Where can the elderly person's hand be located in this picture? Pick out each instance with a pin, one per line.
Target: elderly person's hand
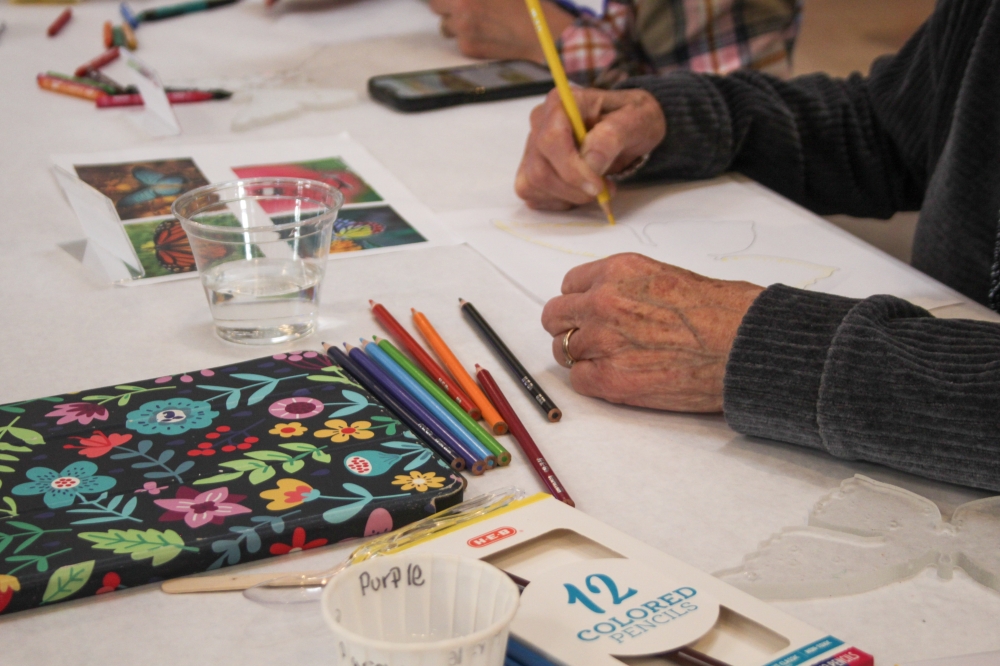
(646, 333)
(556, 174)
(497, 29)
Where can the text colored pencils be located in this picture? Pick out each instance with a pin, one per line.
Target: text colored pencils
(520, 433)
(552, 413)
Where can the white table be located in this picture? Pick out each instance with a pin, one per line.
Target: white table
(685, 484)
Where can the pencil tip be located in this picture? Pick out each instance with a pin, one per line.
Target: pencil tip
(413, 311)
(478, 367)
(371, 303)
(348, 346)
(376, 339)
(326, 346)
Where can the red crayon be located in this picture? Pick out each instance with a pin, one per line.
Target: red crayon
(520, 433)
(100, 61)
(430, 366)
(178, 97)
(60, 22)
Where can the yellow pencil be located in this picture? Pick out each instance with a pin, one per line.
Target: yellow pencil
(565, 94)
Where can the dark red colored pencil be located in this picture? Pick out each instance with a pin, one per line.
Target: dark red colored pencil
(520, 433)
(430, 366)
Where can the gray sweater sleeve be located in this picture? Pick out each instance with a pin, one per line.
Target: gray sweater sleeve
(877, 379)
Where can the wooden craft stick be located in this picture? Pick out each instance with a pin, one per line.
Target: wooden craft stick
(226, 582)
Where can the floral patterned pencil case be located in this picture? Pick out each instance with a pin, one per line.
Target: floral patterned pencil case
(132, 484)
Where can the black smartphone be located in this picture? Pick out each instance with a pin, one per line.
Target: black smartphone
(437, 88)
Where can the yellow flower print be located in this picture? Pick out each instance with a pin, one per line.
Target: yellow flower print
(286, 430)
(9, 583)
(340, 432)
(419, 482)
(289, 493)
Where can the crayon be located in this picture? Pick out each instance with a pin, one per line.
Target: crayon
(94, 65)
(109, 35)
(60, 22)
(69, 88)
(174, 97)
(128, 16)
(131, 43)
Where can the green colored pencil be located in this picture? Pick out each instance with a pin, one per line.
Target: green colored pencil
(480, 433)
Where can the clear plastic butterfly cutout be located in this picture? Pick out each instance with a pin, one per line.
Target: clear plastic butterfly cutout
(867, 534)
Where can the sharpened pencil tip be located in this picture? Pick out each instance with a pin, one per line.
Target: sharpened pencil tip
(371, 303)
(413, 311)
(326, 346)
(376, 339)
(348, 346)
(606, 207)
(478, 367)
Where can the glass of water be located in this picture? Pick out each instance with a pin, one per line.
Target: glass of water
(261, 245)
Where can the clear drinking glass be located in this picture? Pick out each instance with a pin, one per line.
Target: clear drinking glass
(261, 246)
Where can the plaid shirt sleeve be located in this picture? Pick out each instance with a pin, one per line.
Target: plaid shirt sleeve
(712, 36)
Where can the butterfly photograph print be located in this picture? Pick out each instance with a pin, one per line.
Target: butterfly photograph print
(143, 189)
(867, 534)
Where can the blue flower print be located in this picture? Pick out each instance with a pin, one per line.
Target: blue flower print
(171, 417)
(61, 488)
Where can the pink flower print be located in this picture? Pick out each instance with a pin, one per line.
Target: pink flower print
(186, 378)
(296, 408)
(198, 509)
(151, 488)
(307, 360)
(82, 412)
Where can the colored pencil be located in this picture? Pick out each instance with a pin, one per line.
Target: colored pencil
(69, 88)
(484, 437)
(490, 414)
(565, 92)
(105, 58)
(523, 655)
(419, 391)
(60, 22)
(430, 366)
(159, 13)
(473, 461)
(544, 402)
(520, 433)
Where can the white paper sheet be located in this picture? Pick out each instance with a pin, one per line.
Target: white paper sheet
(392, 208)
(729, 228)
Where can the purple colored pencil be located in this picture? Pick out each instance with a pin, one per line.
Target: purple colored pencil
(419, 428)
(474, 463)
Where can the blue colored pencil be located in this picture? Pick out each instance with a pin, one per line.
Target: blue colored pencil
(406, 415)
(369, 372)
(427, 400)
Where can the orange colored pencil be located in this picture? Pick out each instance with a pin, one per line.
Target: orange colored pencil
(490, 414)
(430, 366)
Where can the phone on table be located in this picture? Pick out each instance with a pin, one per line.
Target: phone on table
(437, 88)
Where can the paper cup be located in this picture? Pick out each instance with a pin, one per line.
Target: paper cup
(420, 610)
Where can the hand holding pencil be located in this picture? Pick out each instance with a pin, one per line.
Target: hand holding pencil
(556, 174)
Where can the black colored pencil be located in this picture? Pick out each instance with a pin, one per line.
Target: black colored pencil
(544, 402)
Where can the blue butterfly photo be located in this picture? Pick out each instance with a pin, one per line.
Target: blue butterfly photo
(143, 189)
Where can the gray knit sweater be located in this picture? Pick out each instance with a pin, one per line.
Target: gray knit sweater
(877, 379)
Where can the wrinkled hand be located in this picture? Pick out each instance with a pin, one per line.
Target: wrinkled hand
(497, 29)
(650, 334)
(555, 174)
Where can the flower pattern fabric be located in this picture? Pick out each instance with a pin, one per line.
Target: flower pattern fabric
(339, 431)
(198, 509)
(61, 488)
(289, 493)
(420, 482)
(115, 487)
(171, 417)
(79, 412)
